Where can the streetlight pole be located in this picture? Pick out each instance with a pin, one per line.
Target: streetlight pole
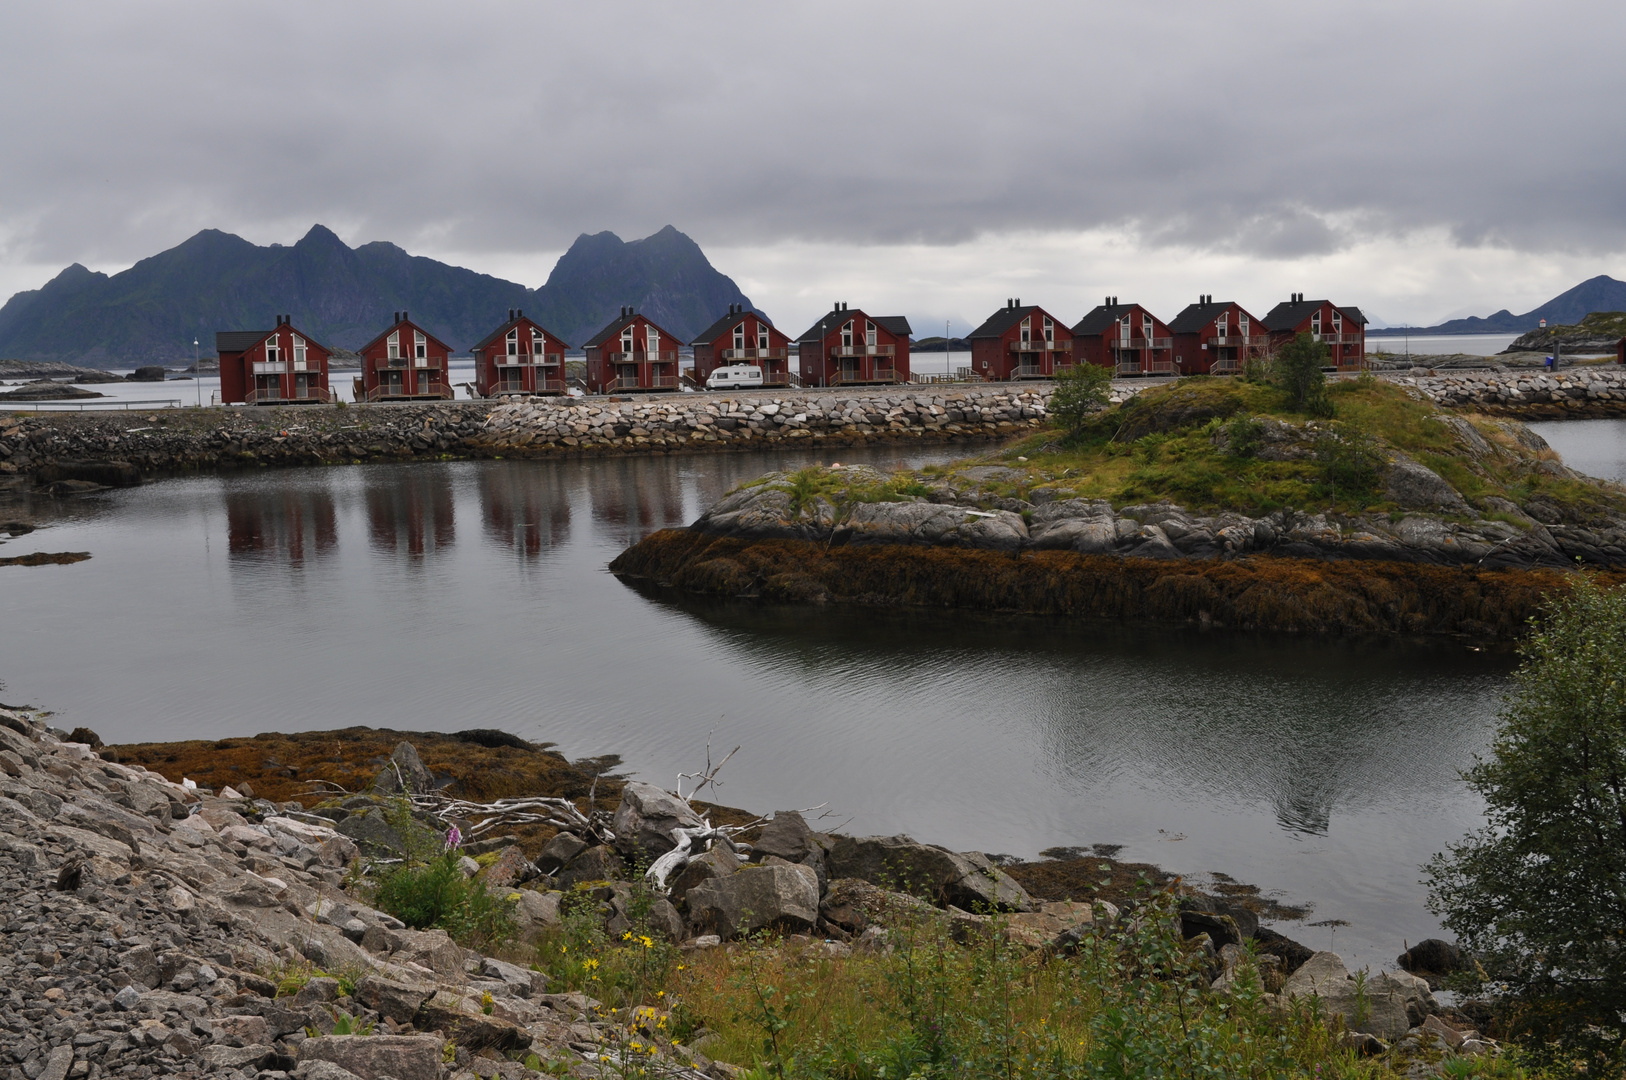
(197, 372)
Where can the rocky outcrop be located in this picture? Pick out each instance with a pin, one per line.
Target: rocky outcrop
(966, 880)
(754, 898)
(1385, 1004)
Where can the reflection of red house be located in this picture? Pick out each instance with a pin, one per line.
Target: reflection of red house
(743, 337)
(1126, 338)
(1215, 338)
(632, 353)
(272, 367)
(1342, 329)
(1018, 342)
(848, 347)
(519, 357)
(403, 362)
(1620, 351)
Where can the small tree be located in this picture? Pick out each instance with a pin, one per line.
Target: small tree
(1297, 369)
(1082, 390)
(1538, 896)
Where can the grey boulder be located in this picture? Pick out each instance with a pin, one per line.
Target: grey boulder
(405, 1057)
(645, 819)
(944, 877)
(404, 772)
(1387, 1004)
(755, 898)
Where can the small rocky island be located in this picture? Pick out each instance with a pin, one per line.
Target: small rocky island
(1204, 501)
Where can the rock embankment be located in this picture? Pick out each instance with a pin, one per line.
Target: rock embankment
(1570, 393)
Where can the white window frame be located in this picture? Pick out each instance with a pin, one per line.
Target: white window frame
(652, 343)
(539, 343)
(1146, 329)
(847, 335)
(626, 341)
(1026, 333)
(739, 336)
(762, 336)
(392, 345)
(299, 353)
(420, 346)
(273, 350)
(869, 334)
(512, 341)
(1315, 322)
(1049, 331)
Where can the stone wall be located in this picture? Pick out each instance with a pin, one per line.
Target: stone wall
(1536, 395)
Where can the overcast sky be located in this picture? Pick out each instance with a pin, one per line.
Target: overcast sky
(1420, 159)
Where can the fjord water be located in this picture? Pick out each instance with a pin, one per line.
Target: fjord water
(452, 596)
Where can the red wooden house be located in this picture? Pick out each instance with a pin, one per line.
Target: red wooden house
(1126, 338)
(1342, 329)
(1020, 342)
(1215, 338)
(402, 363)
(743, 337)
(519, 357)
(632, 354)
(272, 367)
(848, 347)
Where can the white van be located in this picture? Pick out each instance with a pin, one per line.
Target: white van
(735, 377)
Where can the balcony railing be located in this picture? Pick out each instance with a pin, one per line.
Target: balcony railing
(1338, 339)
(434, 390)
(422, 363)
(269, 367)
(1224, 365)
(530, 360)
(878, 375)
(781, 378)
(642, 357)
(1141, 343)
(863, 350)
(648, 382)
(1237, 341)
(755, 354)
(1034, 345)
(1029, 371)
(311, 395)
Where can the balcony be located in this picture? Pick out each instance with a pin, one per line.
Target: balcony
(310, 395)
(1338, 339)
(1033, 345)
(755, 354)
(1029, 371)
(863, 350)
(855, 378)
(530, 360)
(1237, 341)
(269, 367)
(642, 357)
(1141, 343)
(629, 384)
(433, 390)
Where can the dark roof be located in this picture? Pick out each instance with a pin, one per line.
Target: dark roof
(1001, 321)
(1102, 317)
(712, 332)
(239, 340)
(1197, 316)
(1354, 313)
(619, 324)
(404, 322)
(896, 325)
(509, 325)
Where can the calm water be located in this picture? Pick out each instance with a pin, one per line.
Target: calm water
(1442, 345)
(451, 596)
(1595, 447)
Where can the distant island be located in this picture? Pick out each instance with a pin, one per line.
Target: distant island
(1602, 293)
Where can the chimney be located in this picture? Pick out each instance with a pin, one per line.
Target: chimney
(403, 316)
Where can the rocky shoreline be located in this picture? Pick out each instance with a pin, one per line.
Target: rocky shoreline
(156, 927)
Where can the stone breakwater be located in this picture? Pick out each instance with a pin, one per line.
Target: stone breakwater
(1571, 393)
(58, 447)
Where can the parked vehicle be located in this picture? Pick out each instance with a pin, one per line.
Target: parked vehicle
(735, 377)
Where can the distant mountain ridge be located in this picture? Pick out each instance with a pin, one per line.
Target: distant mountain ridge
(1602, 293)
(343, 296)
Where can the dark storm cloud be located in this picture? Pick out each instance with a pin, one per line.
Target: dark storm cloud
(1274, 130)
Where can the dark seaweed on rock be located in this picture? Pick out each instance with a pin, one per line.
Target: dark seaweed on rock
(1274, 593)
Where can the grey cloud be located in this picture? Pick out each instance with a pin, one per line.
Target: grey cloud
(1246, 128)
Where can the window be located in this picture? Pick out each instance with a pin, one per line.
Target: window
(272, 352)
(1146, 326)
(299, 351)
(1123, 329)
(1027, 329)
(539, 345)
(847, 336)
(394, 345)
(739, 336)
(762, 336)
(626, 340)
(1219, 324)
(513, 342)
(1337, 323)
(420, 346)
(1049, 330)
(652, 342)
(1315, 324)
(869, 333)
(1242, 324)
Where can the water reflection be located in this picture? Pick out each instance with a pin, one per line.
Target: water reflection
(410, 511)
(632, 497)
(525, 508)
(1309, 728)
(287, 525)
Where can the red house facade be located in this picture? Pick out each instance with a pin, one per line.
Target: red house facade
(402, 363)
(1020, 342)
(848, 347)
(1126, 338)
(272, 367)
(1341, 329)
(1216, 338)
(632, 354)
(743, 337)
(519, 357)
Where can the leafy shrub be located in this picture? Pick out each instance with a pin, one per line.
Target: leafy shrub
(1243, 436)
(1082, 390)
(1297, 370)
(1535, 895)
(1349, 460)
(437, 895)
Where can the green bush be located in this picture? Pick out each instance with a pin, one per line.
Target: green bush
(438, 895)
(1082, 390)
(1297, 370)
(1243, 436)
(1538, 896)
(1349, 460)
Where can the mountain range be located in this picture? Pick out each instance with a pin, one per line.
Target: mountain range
(1602, 293)
(344, 296)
